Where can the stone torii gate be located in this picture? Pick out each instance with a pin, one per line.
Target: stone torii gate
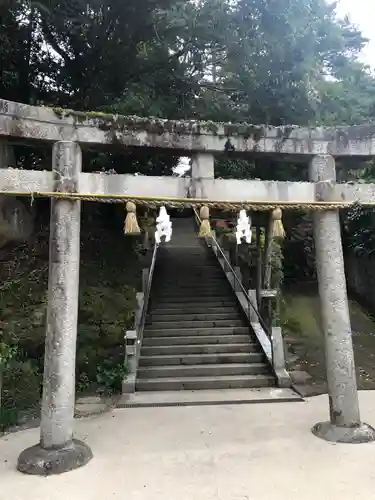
(68, 131)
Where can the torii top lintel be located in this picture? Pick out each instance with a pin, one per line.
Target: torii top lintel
(24, 122)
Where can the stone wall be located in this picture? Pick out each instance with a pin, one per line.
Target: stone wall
(16, 221)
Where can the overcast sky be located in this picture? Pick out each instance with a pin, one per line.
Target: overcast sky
(362, 13)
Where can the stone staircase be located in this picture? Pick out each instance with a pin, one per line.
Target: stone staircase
(195, 335)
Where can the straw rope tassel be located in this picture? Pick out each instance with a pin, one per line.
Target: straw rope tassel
(205, 229)
(278, 230)
(131, 224)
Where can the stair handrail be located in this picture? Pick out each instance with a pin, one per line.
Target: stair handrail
(237, 279)
(134, 337)
(147, 291)
(271, 342)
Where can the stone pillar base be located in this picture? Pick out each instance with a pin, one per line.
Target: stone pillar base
(42, 462)
(337, 434)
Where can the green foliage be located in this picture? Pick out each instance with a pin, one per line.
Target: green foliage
(271, 56)
(359, 231)
(246, 257)
(105, 314)
(83, 383)
(7, 353)
(277, 274)
(287, 320)
(110, 376)
(260, 61)
(349, 100)
(22, 382)
(109, 275)
(298, 248)
(359, 223)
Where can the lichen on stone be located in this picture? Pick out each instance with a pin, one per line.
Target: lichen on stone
(159, 126)
(210, 127)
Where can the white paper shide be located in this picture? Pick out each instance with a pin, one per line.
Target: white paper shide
(163, 226)
(243, 228)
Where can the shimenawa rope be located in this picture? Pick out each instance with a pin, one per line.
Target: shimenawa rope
(172, 202)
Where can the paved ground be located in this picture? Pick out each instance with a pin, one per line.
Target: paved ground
(205, 397)
(237, 452)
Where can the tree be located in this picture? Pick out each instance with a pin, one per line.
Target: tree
(279, 54)
(260, 61)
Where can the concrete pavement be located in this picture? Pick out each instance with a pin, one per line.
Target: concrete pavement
(236, 452)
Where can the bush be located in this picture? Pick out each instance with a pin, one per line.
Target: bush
(22, 384)
(109, 276)
(110, 375)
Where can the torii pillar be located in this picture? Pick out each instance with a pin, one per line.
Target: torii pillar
(57, 450)
(345, 425)
(202, 167)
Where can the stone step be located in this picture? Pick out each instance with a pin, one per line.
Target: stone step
(195, 337)
(191, 242)
(209, 295)
(154, 317)
(193, 325)
(209, 370)
(182, 269)
(190, 332)
(191, 279)
(182, 245)
(193, 292)
(195, 310)
(200, 383)
(211, 303)
(176, 245)
(186, 270)
(191, 255)
(163, 350)
(248, 395)
(192, 306)
(197, 297)
(179, 249)
(196, 340)
(189, 273)
(192, 299)
(198, 285)
(176, 276)
(195, 261)
(200, 359)
(181, 265)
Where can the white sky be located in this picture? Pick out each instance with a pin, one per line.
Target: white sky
(362, 13)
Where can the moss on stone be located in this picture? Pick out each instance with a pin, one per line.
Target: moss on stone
(210, 127)
(159, 126)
